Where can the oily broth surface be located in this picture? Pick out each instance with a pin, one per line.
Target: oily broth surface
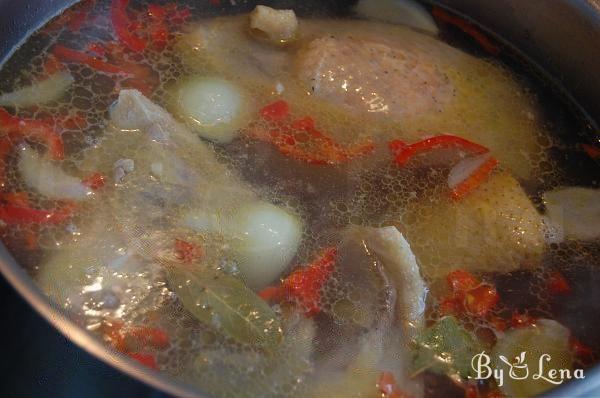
(490, 108)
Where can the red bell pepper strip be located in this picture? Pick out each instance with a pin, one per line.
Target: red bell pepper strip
(300, 140)
(468, 28)
(19, 215)
(38, 130)
(159, 33)
(304, 285)
(403, 152)
(69, 55)
(121, 24)
(474, 180)
(147, 360)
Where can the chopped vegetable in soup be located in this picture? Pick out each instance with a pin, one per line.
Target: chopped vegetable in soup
(286, 203)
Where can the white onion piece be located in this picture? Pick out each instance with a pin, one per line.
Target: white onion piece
(465, 168)
(40, 92)
(403, 12)
(43, 176)
(264, 238)
(267, 239)
(575, 211)
(214, 108)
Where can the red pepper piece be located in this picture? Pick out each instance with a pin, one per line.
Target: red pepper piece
(158, 28)
(19, 215)
(396, 147)
(387, 386)
(70, 55)
(478, 177)
(304, 285)
(95, 181)
(469, 294)
(187, 252)
(404, 153)
(41, 131)
(468, 28)
(558, 284)
(481, 300)
(37, 130)
(147, 360)
(153, 337)
(121, 22)
(460, 281)
(592, 151)
(278, 110)
(313, 147)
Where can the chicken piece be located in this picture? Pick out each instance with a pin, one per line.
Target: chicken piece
(374, 77)
(496, 228)
(400, 263)
(178, 177)
(98, 274)
(278, 26)
(379, 260)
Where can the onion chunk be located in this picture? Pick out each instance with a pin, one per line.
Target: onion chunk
(214, 108)
(40, 92)
(45, 177)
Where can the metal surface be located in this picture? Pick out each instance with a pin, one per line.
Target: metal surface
(560, 36)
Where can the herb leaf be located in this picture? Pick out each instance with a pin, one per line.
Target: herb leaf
(446, 348)
(224, 303)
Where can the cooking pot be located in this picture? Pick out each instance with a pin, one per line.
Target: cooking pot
(560, 39)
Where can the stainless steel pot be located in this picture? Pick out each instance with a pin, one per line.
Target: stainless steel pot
(561, 38)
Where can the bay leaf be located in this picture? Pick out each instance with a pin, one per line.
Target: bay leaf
(224, 303)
